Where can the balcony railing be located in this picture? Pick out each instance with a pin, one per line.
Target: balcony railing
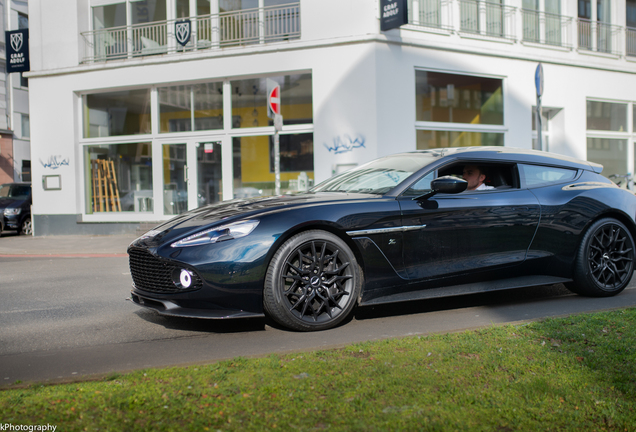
(630, 41)
(431, 13)
(487, 19)
(496, 20)
(545, 28)
(244, 27)
(600, 37)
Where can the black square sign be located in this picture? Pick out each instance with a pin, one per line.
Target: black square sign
(17, 43)
(393, 14)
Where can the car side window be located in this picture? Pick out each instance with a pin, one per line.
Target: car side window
(422, 186)
(539, 175)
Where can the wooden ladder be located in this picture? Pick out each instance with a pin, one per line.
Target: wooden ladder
(105, 189)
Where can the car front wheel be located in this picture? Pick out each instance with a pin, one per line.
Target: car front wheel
(313, 282)
(605, 261)
(27, 227)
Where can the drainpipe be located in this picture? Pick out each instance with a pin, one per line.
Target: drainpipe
(7, 21)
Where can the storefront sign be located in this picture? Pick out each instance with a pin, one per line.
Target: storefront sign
(17, 43)
(182, 31)
(393, 14)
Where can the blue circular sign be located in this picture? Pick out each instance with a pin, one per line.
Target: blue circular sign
(538, 79)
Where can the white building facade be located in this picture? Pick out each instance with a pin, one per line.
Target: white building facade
(145, 109)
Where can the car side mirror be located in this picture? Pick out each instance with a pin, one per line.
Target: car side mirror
(444, 184)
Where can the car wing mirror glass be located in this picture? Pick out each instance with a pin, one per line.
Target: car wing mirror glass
(444, 184)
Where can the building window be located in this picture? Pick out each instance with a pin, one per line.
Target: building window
(608, 137)
(23, 21)
(547, 114)
(606, 116)
(26, 126)
(443, 97)
(611, 153)
(254, 166)
(191, 107)
(543, 26)
(427, 139)
(595, 30)
(26, 170)
(458, 110)
(119, 178)
(117, 113)
(188, 169)
(249, 101)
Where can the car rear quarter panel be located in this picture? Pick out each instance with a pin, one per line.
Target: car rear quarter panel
(566, 213)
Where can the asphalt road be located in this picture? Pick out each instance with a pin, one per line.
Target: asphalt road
(67, 318)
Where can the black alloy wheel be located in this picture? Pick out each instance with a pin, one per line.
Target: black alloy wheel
(605, 261)
(313, 282)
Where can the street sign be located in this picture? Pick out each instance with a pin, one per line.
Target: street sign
(273, 98)
(538, 79)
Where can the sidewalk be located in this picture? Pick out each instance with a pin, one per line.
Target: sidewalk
(12, 245)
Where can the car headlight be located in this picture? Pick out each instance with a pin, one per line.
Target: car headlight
(218, 234)
(12, 211)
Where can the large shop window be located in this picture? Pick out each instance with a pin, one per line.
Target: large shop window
(249, 101)
(427, 139)
(611, 153)
(606, 116)
(117, 113)
(448, 106)
(191, 107)
(610, 119)
(118, 178)
(254, 164)
(443, 97)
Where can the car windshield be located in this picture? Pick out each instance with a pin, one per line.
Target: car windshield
(378, 176)
(16, 192)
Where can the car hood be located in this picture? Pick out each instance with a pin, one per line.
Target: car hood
(10, 203)
(228, 211)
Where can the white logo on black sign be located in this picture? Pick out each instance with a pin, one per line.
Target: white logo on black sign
(16, 41)
(182, 32)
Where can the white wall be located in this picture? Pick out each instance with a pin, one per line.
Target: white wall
(363, 85)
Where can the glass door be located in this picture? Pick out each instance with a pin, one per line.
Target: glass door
(175, 179)
(209, 172)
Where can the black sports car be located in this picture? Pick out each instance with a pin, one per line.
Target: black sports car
(399, 228)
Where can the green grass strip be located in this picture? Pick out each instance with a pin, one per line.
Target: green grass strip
(567, 374)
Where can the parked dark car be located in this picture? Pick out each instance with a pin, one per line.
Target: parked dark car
(396, 229)
(15, 208)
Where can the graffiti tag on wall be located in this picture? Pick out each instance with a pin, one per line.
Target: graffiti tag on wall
(345, 144)
(55, 162)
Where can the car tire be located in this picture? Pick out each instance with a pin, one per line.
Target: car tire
(605, 260)
(27, 227)
(312, 282)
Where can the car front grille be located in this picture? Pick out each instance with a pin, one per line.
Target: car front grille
(152, 274)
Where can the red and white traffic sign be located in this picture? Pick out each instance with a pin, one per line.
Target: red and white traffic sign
(273, 98)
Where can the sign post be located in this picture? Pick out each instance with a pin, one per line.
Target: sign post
(273, 111)
(538, 83)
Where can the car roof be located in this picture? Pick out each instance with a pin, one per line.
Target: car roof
(515, 155)
(16, 183)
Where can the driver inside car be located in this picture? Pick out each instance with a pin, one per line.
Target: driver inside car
(475, 176)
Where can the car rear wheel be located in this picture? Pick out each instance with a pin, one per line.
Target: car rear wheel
(313, 282)
(27, 227)
(605, 261)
